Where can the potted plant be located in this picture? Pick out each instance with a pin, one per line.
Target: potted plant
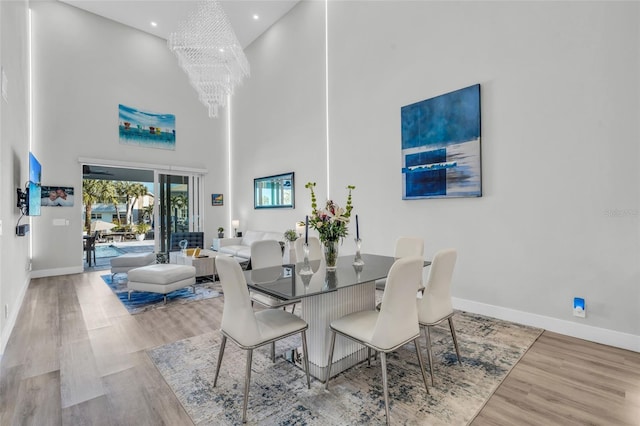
(290, 235)
(287, 246)
(221, 232)
(141, 230)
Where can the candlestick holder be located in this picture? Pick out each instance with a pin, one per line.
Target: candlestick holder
(306, 280)
(306, 268)
(357, 260)
(358, 269)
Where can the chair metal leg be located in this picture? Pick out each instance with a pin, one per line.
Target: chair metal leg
(455, 339)
(129, 295)
(165, 299)
(424, 375)
(305, 354)
(247, 379)
(368, 356)
(383, 362)
(273, 352)
(220, 353)
(331, 348)
(428, 335)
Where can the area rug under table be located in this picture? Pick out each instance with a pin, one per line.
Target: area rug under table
(142, 301)
(278, 394)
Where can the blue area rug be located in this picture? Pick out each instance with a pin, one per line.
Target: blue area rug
(143, 301)
(278, 394)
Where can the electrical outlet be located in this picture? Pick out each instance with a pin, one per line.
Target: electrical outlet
(579, 307)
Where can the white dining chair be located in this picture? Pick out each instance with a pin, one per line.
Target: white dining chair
(435, 304)
(390, 328)
(266, 254)
(249, 329)
(315, 249)
(405, 247)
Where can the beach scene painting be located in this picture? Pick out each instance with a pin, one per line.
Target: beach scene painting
(441, 146)
(147, 129)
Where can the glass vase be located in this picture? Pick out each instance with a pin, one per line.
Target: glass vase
(306, 268)
(331, 254)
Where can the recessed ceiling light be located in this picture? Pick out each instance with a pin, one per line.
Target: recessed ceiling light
(221, 50)
(256, 17)
(154, 24)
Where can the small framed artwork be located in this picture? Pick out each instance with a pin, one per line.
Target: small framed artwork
(217, 200)
(57, 196)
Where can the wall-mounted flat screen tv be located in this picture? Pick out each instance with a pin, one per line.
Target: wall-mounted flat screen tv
(34, 193)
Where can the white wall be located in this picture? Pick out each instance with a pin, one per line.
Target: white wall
(560, 104)
(278, 116)
(85, 66)
(560, 100)
(14, 157)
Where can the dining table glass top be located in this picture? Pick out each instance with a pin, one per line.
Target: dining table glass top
(286, 282)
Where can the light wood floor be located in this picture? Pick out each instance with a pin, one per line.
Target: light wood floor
(76, 357)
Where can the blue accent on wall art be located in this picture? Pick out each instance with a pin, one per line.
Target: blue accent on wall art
(441, 146)
(147, 129)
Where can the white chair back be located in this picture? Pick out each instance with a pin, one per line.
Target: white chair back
(436, 300)
(398, 320)
(265, 253)
(238, 318)
(315, 250)
(409, 246)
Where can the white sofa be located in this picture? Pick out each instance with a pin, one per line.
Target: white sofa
(240, 247)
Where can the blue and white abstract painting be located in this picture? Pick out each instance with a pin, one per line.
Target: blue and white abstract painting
(148, 129)
(441, 146)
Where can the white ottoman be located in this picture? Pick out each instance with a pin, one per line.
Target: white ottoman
(128, 261)
(161, 278)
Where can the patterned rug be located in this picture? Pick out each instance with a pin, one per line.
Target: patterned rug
(278, 393)
(142, 301)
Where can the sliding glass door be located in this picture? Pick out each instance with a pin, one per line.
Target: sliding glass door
(180, 202)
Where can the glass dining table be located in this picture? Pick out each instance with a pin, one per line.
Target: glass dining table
(326, 296)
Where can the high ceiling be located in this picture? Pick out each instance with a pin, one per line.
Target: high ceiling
(168, 14)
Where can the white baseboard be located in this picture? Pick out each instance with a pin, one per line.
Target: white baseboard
(11, 321)
(57, 271)
(568, 328)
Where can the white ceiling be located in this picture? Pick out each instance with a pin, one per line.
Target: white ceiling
(169, 13)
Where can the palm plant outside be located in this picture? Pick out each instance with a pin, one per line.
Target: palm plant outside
(113, 192)
(90, 196)
(134, 191)
(179, 203)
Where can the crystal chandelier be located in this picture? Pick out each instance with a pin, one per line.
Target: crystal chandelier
(209, 52)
